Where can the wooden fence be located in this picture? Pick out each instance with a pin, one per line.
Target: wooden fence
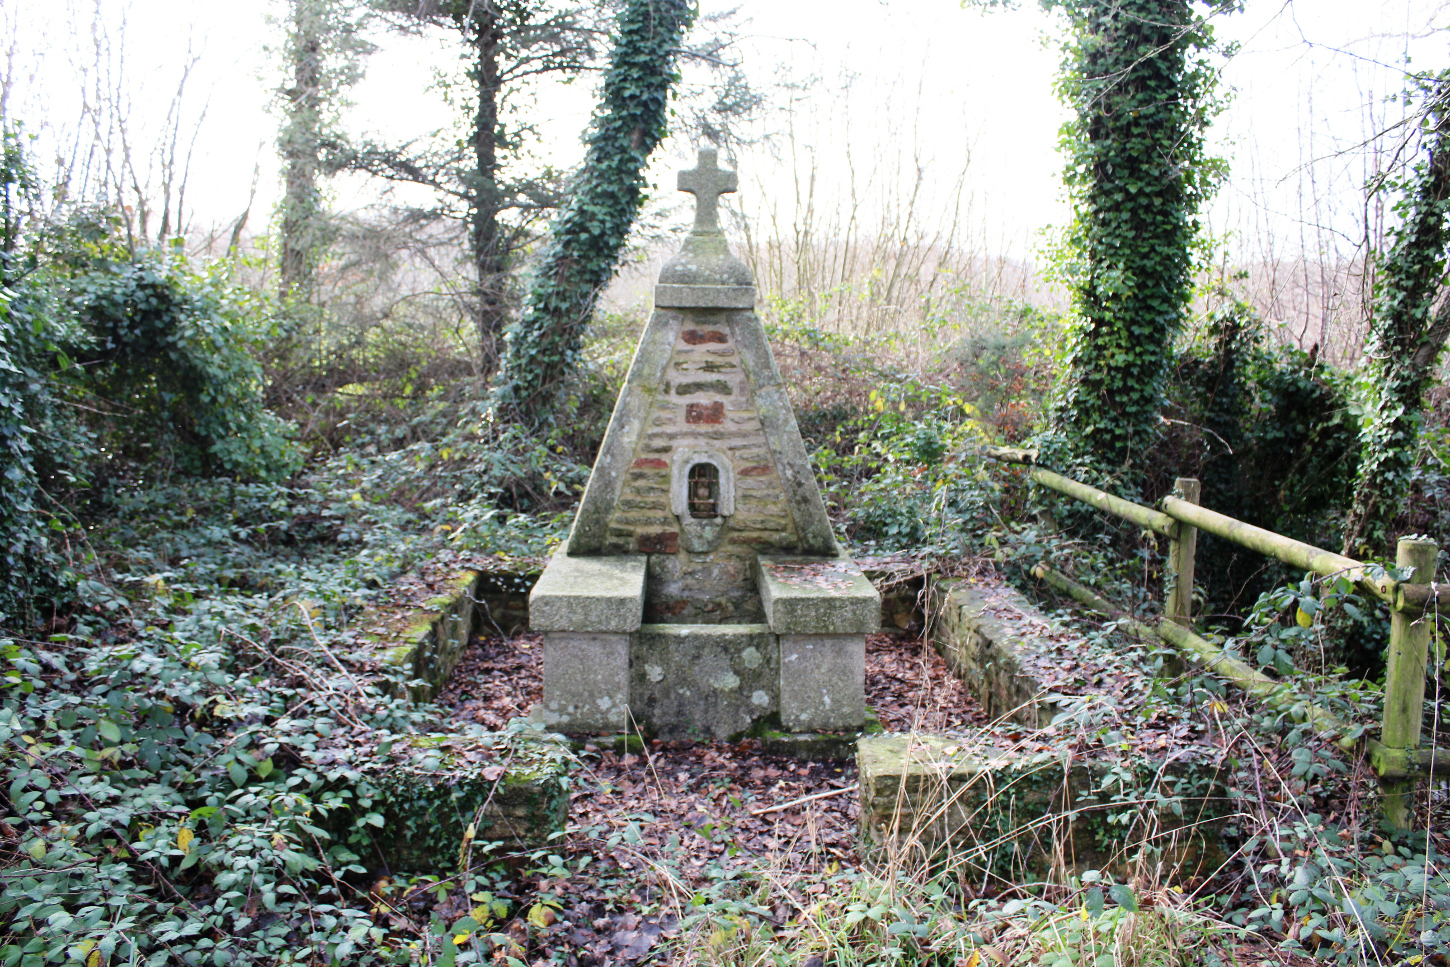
(1396, 756)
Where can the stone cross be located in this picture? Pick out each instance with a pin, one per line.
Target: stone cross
(707, 181)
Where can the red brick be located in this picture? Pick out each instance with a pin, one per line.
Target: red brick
(670, 610)
(760, 471)
(696, 337)
(665, 542)
(651, 463)
(705, 412)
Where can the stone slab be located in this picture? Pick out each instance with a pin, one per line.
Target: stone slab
(989, 653)
(822, 682)
(595, 594)
(586, 682)
(991, 812)
(705, 296)
(703, 681)
(817, 596)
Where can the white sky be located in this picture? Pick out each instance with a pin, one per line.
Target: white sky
(933, 83)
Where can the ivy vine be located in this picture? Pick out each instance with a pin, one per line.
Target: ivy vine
(1136, 167)
(585, 241)
(1406, 336)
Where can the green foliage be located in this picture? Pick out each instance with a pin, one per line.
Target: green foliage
(586, 239)
(175, 351)
(895, 471)
(41, 445)
(1405, 338)
(1140, 91)
(1004, 368)
(167, 815)
(192, 779)
(1273, 436)
(110, 359)
(1286, 630)
(1348, 897)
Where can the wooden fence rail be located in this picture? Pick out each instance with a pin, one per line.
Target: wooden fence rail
(1396, 756)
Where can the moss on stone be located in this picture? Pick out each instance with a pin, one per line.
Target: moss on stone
(429, 794)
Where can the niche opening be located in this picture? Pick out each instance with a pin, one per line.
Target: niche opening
(703, 490)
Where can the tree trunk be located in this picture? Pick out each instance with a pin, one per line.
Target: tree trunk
(585, 241)
(301, 135)
(1404, 344)
(489, 259)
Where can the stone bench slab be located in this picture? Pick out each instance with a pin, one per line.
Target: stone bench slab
(589, 594)
(818, 596)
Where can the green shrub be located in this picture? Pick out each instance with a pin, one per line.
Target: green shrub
(173, 351)
(1272, 433)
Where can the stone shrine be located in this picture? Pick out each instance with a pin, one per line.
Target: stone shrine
(701, 592)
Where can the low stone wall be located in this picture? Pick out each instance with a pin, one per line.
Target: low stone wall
(511, 788)
(999, 813)
(418, 647)
(422, 644)
(986, 634)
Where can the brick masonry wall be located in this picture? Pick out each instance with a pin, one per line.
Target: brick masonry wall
(705, 401)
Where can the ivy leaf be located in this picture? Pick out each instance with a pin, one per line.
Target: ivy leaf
(109, 730)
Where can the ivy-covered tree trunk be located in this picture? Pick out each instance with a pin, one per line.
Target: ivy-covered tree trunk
(485, 201)
(1137, 174)
(586, 239)
(1406, 337)
(323, 52)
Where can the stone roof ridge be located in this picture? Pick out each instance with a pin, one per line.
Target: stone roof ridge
(704, 274)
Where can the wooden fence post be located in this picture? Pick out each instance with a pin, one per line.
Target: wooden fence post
(1179, 606)
(1405, 678)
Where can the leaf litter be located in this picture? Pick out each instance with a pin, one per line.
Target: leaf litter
(654, 826)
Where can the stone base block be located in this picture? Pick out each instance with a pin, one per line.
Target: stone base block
(586, 682)
(822, 682)
(997, 814)
(703, 681)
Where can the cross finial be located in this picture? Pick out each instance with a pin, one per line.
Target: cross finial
(707, 181)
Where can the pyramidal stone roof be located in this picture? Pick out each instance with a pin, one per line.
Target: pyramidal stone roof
(703, 388)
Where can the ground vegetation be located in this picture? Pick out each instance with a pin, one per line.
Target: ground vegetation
(192, 716)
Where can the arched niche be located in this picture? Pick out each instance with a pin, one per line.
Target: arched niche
(694, 460)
